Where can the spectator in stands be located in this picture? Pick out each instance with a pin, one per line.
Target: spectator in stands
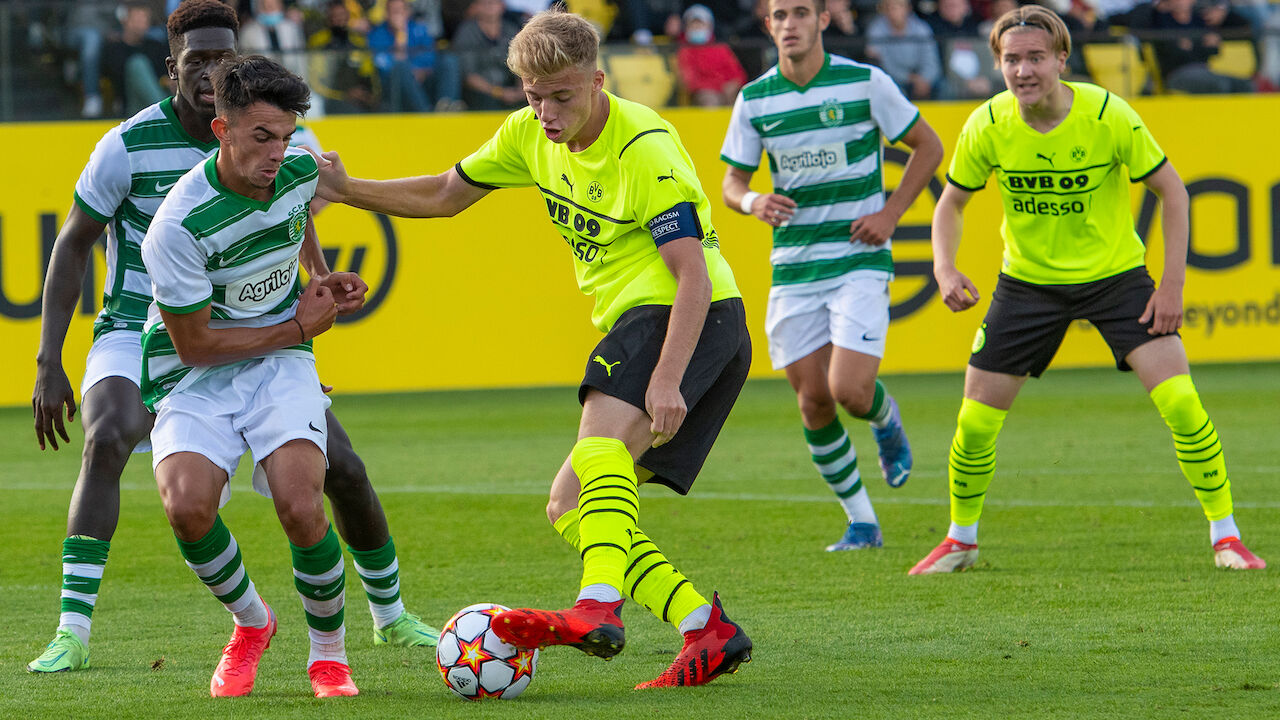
(1184, 47)
(1086, 25)
(272, 32)
(954, 18)
(843, 36)
(902, 45)
(995, 9)
(481, 44)
(521, 10)
(709, 71)
(1108, 9)
(88, 26)
(343, 74)
(134, 62)
(967, 64)
(414, 76)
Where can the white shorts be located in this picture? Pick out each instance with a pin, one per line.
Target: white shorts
(115, 354)
(256, 406)
(854, 316)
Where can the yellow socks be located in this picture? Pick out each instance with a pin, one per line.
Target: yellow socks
(608, 506)
(1195, 443)
(972, 461)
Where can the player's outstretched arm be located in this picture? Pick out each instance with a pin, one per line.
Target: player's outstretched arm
(957, 292)
(53, 393)
(425, 196)
(198, 345)
(347, 288)
(664, 403)
(769, 208)
(926, 156)
(1164, 309)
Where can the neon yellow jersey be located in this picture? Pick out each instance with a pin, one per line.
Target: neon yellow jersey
(1067, 213)
(609, 202)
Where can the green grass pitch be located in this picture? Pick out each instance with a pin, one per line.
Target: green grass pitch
(1095, 595)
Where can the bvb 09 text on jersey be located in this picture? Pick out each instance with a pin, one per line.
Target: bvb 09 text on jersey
(564, 216)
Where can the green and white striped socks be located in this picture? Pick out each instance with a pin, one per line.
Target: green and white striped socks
(379, 573)
(320, 577)
(216, 560)
(837, 461)
(83, 560)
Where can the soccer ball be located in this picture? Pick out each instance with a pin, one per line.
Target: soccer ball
(475, 664)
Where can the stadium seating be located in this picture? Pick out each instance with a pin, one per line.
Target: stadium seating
(1236, 58)
(1153, 68)
(1117, 66)
(640, 75)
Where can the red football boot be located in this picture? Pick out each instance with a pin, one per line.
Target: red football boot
(1229, 552)
(592, 626)
(718, 648)
(330, 678)
(238, 668)
(949, 556)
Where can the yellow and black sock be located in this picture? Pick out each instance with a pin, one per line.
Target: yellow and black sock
(1195, 443)
(972, 461)
(650, 578)
(608, 506)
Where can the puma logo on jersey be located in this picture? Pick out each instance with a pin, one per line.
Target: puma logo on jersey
(565, 178)
(766, 127)
(164, 188)
(608, 367)
(1046, 158)
(671, 177)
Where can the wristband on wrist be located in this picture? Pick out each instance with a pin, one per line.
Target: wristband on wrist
(747, 201)
(302, 333)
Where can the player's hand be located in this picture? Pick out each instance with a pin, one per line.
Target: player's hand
(666, 407)
(957, 291)
(52, 393)
(333, 175)
(348, 291)
(773, 209)
(873, 229)
(1163, 311)
(316, 310)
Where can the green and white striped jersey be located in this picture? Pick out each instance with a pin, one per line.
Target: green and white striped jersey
(129, 173)
(210, 246)
(825, 153)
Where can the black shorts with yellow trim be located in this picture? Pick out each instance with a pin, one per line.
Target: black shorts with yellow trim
(1026, 322)
(621, 365)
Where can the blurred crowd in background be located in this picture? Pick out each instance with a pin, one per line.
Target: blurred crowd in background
(105, 58)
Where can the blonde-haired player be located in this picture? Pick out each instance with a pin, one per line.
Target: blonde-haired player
(622, 192)
(1063, 154)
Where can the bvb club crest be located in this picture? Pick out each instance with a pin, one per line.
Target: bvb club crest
(595, 191)
(1078, 153)
(831, 113)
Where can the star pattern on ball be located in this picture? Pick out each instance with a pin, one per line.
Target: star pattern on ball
(523, 662)
(473, 653)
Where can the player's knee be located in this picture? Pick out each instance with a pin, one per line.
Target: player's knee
(189, 519)
(557, 507)
(112, 441)
(302, 518)
(816, 408)
(346, 474)
(855, 399)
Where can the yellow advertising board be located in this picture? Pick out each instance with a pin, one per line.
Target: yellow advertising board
(487, 298)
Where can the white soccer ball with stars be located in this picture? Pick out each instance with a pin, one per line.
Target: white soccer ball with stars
(475, 664)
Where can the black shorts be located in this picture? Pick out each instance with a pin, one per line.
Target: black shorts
(1026, 322)
(621, 365)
